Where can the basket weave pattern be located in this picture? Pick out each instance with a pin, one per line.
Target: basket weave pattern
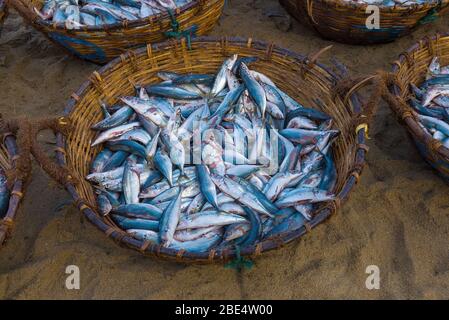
(345, 21)
(103, 43)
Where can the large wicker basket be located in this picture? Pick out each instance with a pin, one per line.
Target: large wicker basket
(3, 12)
(411, 67)
(6, 223)
(101, 44)
(345, 21)
(299, 76)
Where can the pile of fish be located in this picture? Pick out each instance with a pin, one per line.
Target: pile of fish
(389, 3)
(204, 161)
(80, 13)
(431, 101)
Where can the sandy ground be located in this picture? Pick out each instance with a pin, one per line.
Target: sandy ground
(397, 217)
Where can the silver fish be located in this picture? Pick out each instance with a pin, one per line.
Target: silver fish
(220, 80)
(207, 219)
(301, 196)
(131, 183)
(115, 132)
(239, 193)
(169, 220)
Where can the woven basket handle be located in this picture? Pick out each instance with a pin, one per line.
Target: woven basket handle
(24, 9)
(369, 108)
(21, 162)
(26, 132)
(18, 175)
(348, 86)
(57, 172)
(389, 82)
(26, 144)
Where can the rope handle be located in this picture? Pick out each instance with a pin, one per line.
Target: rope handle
(25, 10)
(370, 106)
(401, 107)
(348, 86)
(59, 173)
(26, 132)
(21, 162)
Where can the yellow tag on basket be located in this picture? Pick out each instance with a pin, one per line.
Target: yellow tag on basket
(363, 126)
(63, 121)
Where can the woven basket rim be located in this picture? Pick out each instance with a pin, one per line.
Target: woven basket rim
(345, 21)
(17, 189)
(411, 122)
(228, 253)
(384, 8)
(154, 19)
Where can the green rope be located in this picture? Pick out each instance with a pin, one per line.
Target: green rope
(177, 33)
(239, 262)
(430, 17)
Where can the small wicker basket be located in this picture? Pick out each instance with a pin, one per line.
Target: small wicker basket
(100, 44)
(299, 76)
(345, 21)
(411, 67)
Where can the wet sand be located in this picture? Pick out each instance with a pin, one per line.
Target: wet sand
(397, 217)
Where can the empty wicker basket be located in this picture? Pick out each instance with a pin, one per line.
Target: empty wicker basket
(299, 76)
(411, 67)
(345, 20)
(102, 43)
